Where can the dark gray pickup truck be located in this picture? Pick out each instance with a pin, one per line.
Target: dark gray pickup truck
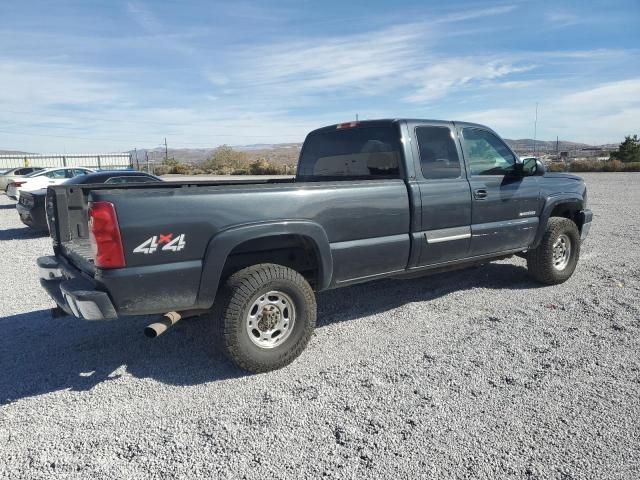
(371, 199)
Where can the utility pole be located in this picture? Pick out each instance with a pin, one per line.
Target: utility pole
(166, 152)
(535, 130)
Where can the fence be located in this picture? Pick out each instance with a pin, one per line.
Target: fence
(101, 160)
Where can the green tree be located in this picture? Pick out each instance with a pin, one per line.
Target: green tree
(225, 160)
(629, 150)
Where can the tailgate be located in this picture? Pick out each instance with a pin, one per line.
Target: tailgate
(68, 223)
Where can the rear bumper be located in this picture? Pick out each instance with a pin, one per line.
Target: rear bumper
(587, 216)
(74, 293)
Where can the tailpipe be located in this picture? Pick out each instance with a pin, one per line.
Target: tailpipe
(168, 320)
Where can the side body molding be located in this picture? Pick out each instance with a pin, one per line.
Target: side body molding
(221, 245)
(570, 199)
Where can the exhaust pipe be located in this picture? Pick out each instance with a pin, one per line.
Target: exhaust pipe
(168, 320)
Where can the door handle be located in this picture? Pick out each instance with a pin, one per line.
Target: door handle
(480, 193)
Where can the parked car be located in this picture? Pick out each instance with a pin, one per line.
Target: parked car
(31, 205)
(370, 200)
(12, 174)
(44, 178)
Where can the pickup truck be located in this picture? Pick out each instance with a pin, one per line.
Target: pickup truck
(371, 199)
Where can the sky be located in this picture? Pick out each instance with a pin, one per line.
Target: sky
(88, 76)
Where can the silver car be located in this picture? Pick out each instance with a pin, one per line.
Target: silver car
(14, 173)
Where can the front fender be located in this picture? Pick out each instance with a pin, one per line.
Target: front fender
(572, 200)
(221, 245)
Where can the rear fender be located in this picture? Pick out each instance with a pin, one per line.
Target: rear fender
(222, 244)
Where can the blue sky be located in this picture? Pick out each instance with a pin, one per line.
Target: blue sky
(110, 76)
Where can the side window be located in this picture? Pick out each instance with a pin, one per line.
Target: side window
(56, 174)
(130, 179)
(22, 171)
(116, 180)
(79, 171)
(485, 153)
(438, 155)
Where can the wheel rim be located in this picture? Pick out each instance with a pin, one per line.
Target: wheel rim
(561, 252)
(270, 319)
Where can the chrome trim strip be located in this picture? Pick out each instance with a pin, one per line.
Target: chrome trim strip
(372, 241)
(448, 234)
(448, 239)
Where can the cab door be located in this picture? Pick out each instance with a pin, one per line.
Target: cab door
(505, 205)
(445, 227)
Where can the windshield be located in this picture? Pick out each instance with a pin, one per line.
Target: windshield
(36, 174)
(351, 153)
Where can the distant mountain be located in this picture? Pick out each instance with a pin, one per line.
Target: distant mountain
(279, 153)
(526, 144)
(287, 153)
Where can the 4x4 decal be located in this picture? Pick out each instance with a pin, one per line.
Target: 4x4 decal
(165, 242)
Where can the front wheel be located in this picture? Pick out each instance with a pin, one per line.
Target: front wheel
(267, 314)
(555, 259)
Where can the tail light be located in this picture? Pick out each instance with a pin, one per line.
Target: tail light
(104, 234)
(347, 125)
(18, 183)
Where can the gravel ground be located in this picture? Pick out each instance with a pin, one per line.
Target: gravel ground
(475, 374)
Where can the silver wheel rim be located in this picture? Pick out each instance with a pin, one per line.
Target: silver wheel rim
(270, 319)
(561, 252)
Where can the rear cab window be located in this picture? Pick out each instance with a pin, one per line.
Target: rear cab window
(438, 153)
(359, 152)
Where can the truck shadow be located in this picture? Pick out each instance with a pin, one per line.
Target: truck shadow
(40, 355)
(21, 233)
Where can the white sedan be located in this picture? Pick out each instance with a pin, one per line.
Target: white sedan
(44, 178)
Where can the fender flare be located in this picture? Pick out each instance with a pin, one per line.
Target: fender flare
(221, 245)
(573, 199)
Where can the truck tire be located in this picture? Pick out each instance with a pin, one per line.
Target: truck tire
(555, 259)
(267, 313)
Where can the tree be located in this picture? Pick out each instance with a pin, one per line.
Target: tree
(225, 160)
(629, 150)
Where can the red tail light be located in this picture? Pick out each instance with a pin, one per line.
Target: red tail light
(19, 184)
(104, 233)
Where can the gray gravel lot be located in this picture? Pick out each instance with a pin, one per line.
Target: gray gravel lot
(475, 374)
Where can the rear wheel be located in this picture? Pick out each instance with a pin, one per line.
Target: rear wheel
(267, 315)
(555, 259)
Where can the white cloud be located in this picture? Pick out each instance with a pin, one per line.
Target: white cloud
(478, 13)
(562, 19)
(597, 115)
(353, 61)
(42, 84)
(395, 59)
(438, 79)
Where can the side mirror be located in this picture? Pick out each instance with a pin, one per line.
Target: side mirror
(532, 167)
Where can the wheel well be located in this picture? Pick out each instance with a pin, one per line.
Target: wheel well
(294, 251)
(570, 211)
